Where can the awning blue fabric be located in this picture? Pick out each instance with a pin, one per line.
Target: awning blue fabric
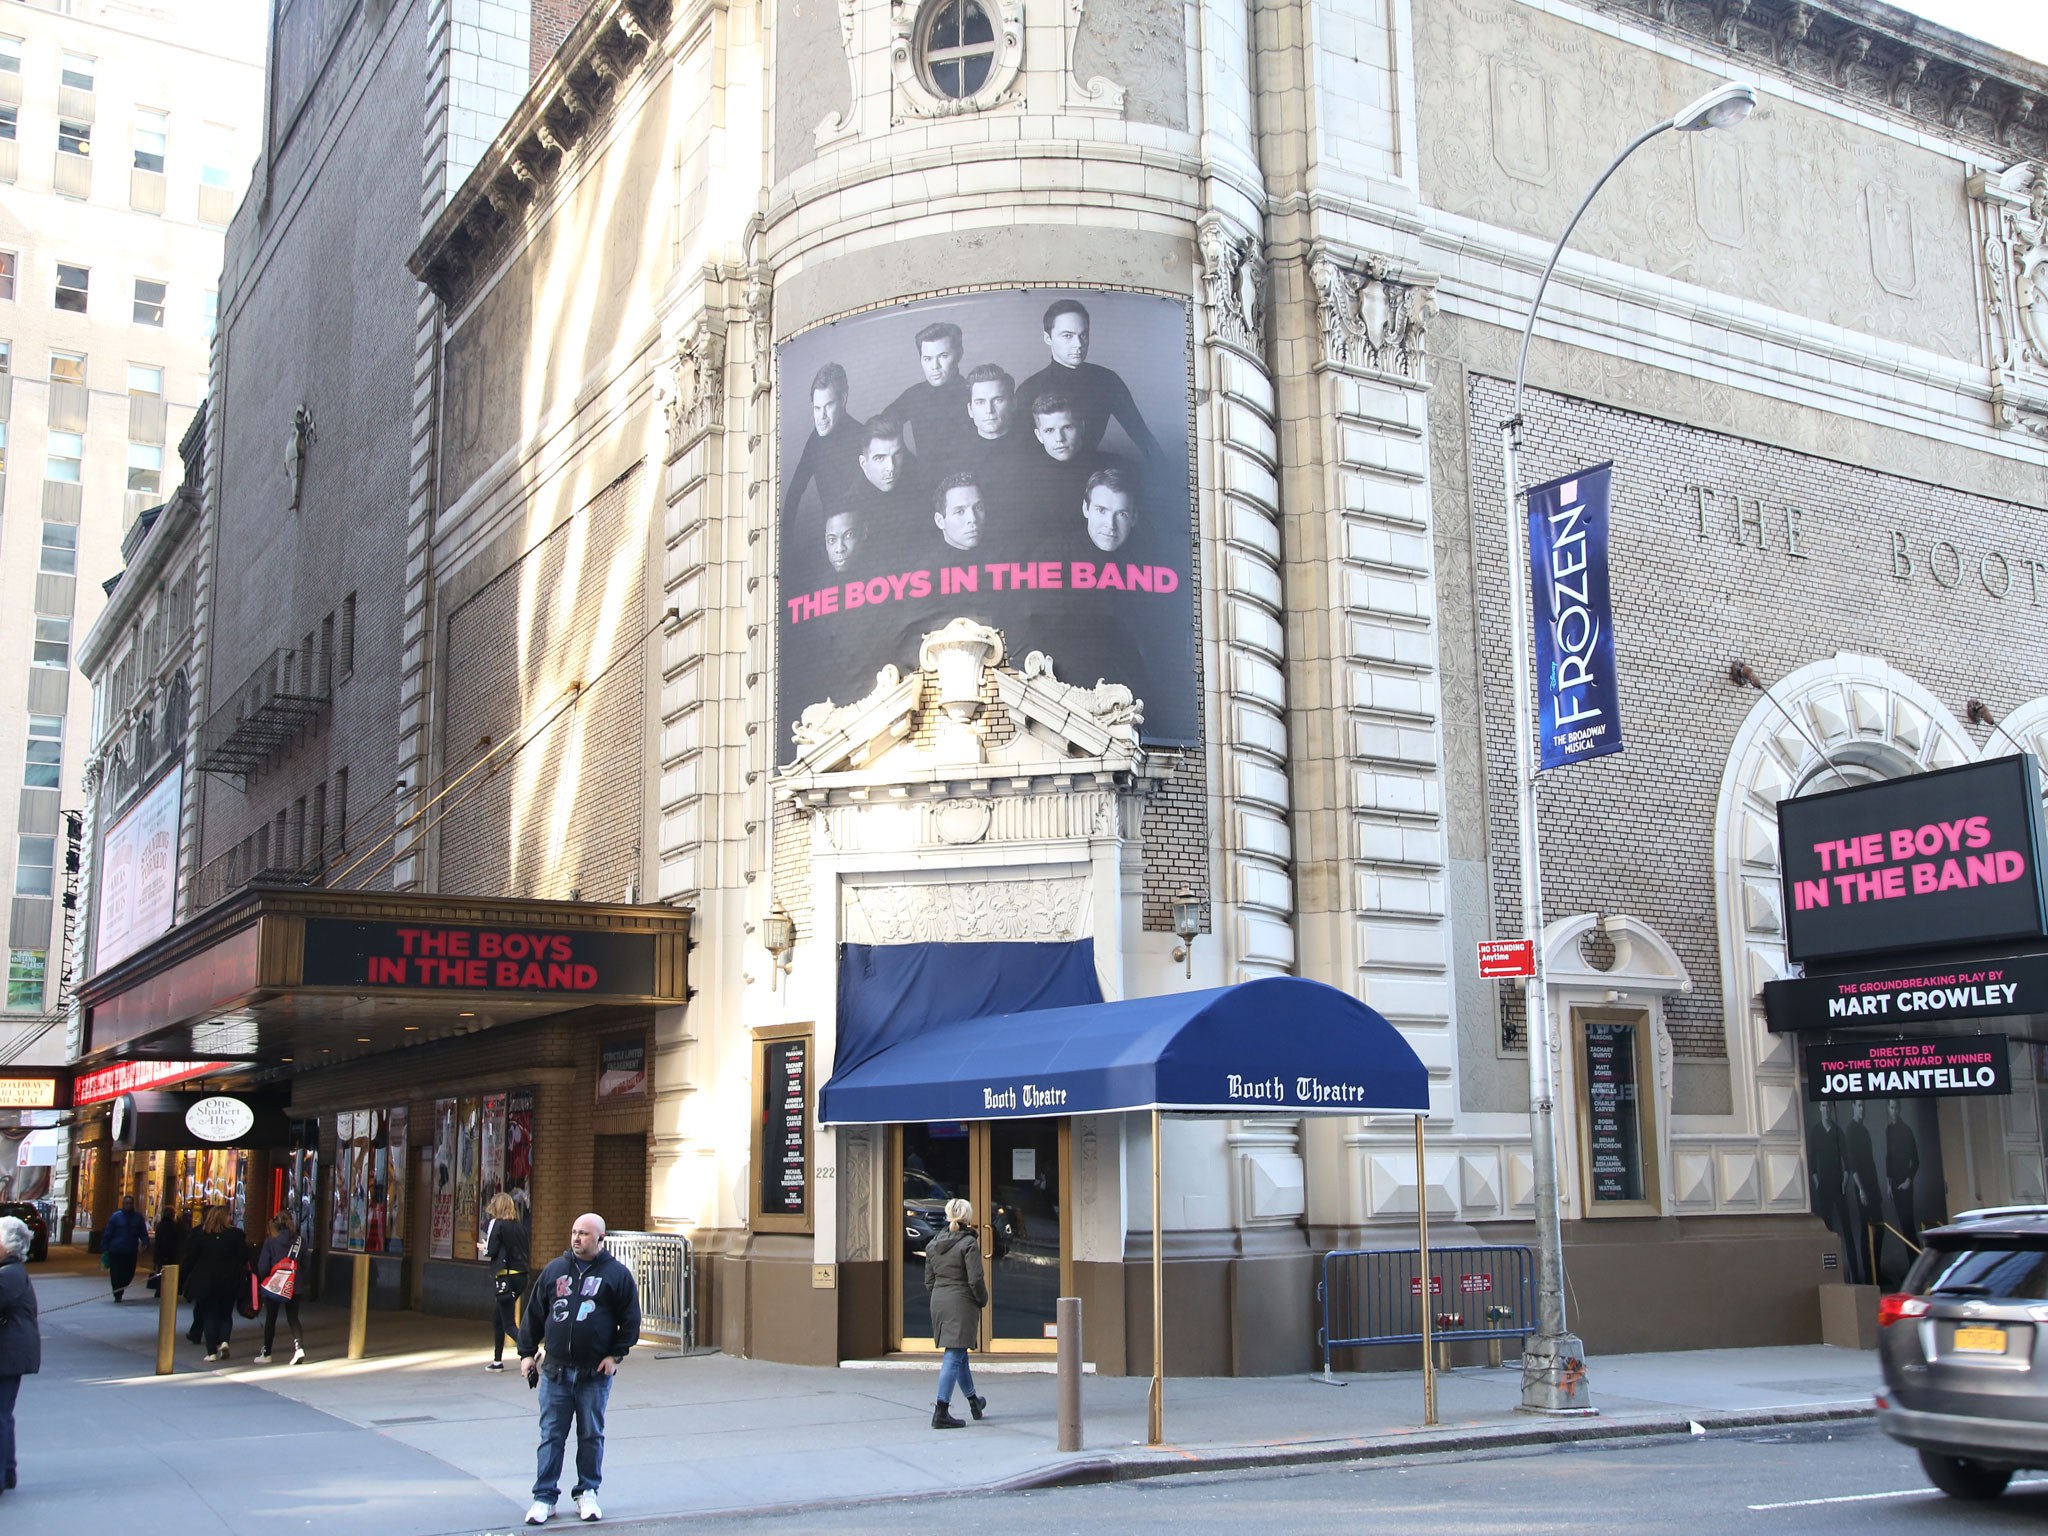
(1279, 1045)
(891, 992)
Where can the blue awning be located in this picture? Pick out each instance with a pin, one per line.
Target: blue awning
(1280, 1045)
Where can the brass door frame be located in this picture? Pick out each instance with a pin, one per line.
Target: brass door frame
(980, 1182)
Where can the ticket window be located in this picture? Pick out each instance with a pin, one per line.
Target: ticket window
(1615, 1063)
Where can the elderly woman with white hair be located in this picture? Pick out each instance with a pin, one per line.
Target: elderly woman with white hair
(952, 1273)
(21, 1341)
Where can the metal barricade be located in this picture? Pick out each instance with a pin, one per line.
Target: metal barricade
(662, 1268)
(1375, 1296)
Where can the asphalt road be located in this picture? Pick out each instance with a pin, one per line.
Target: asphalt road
(1793, 1480)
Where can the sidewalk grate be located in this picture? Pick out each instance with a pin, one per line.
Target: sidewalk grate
(415, 1418)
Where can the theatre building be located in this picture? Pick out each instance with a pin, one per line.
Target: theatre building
(966, 509)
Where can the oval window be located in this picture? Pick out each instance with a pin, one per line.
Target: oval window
(959, 48)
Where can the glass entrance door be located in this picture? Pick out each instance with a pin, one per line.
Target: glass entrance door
(1014, 1172)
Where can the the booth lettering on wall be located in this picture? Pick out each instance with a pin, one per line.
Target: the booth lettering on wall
(1944, 858)
(1019, 458)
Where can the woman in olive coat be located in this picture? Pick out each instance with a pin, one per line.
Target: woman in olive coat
(952, 1273)
(21, 1340)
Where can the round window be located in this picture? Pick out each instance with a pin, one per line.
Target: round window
(959, 48)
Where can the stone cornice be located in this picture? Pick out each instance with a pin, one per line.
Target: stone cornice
(1876, 56)
(566, 102)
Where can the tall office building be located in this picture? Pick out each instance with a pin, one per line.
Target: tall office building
(126, 135)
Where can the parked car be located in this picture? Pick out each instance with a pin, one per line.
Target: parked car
(1964, 1348)
(31, 1215)
(924, 1214)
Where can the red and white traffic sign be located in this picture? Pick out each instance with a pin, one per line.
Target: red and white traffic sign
(1436, 1285)
(1506, 957)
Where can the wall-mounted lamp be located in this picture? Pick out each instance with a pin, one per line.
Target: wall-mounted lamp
(778, 937)
(1980, 714)
(1187, 924)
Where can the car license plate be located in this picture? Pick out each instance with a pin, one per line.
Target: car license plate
(1980, 1341)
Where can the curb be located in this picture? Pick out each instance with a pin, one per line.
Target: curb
(1085, 1470)
(1132, 1467)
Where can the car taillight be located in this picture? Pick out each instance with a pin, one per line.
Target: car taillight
(1890, 1309)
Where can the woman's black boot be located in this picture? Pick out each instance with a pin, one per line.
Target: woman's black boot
(977, 1406)
(942, 1417)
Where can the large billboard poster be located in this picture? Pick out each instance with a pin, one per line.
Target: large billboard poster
(1019, 458)
(138, 882)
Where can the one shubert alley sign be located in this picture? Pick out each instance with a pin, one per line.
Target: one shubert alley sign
(1908, 1069)
(1578, 695)
(1948, 857)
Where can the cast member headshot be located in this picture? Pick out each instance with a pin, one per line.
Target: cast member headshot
(844, 532)
(1110, 507)
(959, 512)
(936, 408)
(1057, 423)
(1098, 393)
(830, 453)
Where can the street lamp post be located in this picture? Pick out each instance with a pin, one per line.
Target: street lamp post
(1553, 1369)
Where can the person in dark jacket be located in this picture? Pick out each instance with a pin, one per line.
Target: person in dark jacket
(952, 1273)
(282, 1244)
(21, 1341)
(217, 1267)
(509, 1251)
(582, 1318)
(168, 1239)
(121, 1242)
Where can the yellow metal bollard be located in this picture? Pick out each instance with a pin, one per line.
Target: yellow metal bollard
(359, 1308)
(166, 1319)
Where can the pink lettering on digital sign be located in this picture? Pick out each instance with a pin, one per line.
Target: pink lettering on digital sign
(1908, 861)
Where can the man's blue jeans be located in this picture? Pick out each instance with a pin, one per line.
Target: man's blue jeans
(580, 1396)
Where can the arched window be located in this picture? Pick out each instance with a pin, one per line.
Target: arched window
(959, 48)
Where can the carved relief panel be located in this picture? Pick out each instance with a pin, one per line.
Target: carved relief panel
(2013, 210)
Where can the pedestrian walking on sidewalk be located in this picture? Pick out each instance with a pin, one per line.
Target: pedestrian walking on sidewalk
(582, 1318)
(952, 1274)
(219, 1267)
(21, 1340)
(121, 1242)
(508, 1248)
(279, 1283)
(167, 1240)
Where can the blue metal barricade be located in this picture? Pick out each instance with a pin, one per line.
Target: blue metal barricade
(661, 1267)
(1375, 1296)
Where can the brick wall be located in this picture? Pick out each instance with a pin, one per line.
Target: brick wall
(1634, 833)
(563, 814)
(551, 22)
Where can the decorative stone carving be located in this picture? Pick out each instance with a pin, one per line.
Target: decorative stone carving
(842, 124)
(758, 297)
(1371, 319)
(978, 910)
(1110, 705)
(1099, 95)
(857, 1182)
(959, 822)
(916, 98)
(2014, 207)
(820, 722)
(1889, 213)
(301, 440)
(690, 387)
(1233, 284)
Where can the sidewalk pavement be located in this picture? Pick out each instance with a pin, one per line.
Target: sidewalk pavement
(419, 1439)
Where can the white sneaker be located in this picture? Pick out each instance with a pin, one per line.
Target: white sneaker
(223, 1351)
(262, 1359)
(298, 1354)
(539, 1513)
(586, 1506)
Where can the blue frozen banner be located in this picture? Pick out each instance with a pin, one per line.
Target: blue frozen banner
(1578, 694)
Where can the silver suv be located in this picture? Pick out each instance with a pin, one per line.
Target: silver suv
(1965, 1351)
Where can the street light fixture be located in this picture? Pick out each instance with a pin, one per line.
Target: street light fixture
(1553, 1362)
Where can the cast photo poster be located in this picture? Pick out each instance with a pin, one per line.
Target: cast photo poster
(492, 1179)
(338, 1185)
(519, 1148)
(1874, 1175)
(442, 1239)
(395, 1124)
(1019, 458)
(467, 1127)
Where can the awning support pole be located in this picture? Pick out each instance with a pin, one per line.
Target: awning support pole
(1428, 1300)
(1155, 1417)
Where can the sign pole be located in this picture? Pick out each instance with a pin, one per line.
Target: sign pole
(1422, 1266)
(1155, 1414)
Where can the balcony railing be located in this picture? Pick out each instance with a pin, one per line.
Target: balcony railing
(220, 877)
(283, 696)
